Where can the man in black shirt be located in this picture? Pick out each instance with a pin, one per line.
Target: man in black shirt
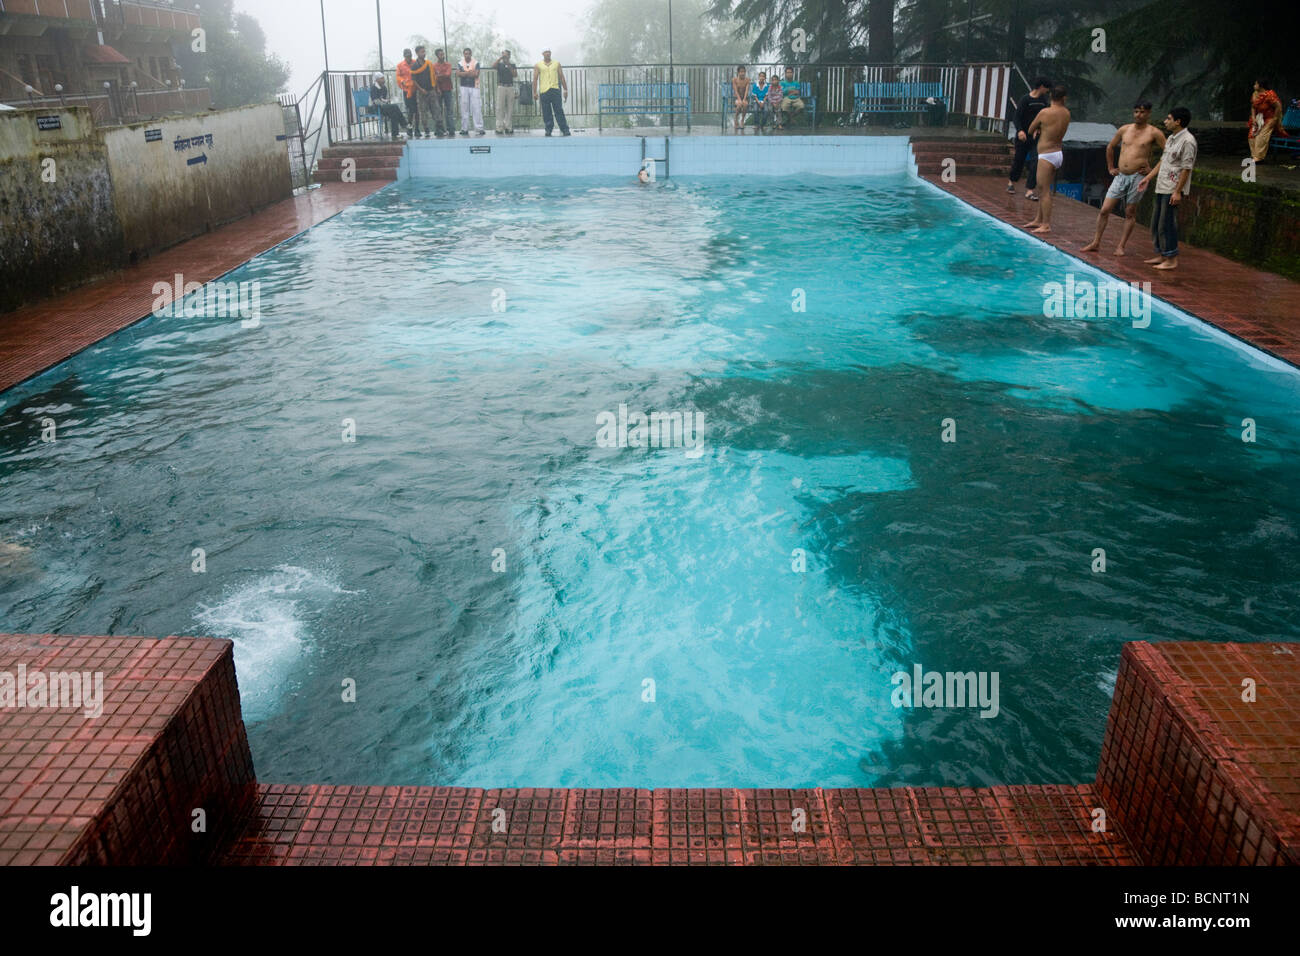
(1026, 157)
(507, 93)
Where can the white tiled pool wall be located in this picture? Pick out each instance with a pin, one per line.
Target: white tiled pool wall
(688, 156)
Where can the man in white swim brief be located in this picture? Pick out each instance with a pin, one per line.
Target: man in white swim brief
(1050, 126)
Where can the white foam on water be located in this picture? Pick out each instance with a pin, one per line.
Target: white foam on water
(268, 619)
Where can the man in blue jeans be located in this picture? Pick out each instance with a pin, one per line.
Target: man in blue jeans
(1173, 176)
(550, 89)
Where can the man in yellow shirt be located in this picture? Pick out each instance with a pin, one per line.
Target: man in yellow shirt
(550, 89)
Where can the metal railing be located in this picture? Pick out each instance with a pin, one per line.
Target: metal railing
(974, 93)
(123, 105)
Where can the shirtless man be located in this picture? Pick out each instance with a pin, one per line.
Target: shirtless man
(1050, 124)
(740, 94)
(1136, 142)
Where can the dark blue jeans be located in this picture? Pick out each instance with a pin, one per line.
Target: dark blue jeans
(553, 110)
(447, 116)
(1164, 226)
(1026, 158)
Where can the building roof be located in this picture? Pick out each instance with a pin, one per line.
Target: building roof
(103, 53)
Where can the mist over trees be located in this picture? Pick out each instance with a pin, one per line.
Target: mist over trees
(632, 31)
(1205, 53)
(236, 67)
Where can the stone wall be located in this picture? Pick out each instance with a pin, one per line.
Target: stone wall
(58, 224)
(113, 196)
(1249, 222)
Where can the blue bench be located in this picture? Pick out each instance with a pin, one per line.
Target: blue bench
(643, 98)
(1291, 123)
(366, 113)
(805, 94)
(895, 97)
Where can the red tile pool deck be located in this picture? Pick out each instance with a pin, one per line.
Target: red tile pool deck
(1261, 308)
(1190, 772)
(41, 336)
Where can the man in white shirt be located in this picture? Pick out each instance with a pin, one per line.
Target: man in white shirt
(1173, 176)
(471, 97)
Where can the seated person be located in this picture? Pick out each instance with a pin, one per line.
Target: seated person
(739, 98)
(774, 101)
(758, 96)
(387, 110)
(792, 94)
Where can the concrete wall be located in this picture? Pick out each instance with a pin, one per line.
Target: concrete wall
(53, 233)
(123, 193)
(165, 195)
(688, 156)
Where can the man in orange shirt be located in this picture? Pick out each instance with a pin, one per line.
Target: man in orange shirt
(407, 86)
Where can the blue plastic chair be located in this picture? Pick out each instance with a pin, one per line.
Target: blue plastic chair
(367, 113)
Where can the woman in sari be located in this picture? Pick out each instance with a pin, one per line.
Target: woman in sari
(1265, 118)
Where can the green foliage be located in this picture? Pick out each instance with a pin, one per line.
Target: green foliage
(1182, 48)
(634, 31)
(236, 67)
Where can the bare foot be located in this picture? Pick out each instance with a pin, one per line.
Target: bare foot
(1030, 224)
(1168, 264)
(1091, 247)
(1042, 229)
(1119, 251)
(1151, 262)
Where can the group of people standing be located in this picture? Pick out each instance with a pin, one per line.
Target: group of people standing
(1041, 124)
(777, 101)
(433, 89)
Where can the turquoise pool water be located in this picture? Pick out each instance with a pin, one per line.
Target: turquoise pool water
(476, 430)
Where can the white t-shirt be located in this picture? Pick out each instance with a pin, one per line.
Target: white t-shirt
(1179, 154)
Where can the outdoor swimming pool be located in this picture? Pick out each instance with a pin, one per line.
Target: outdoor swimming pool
(475, 331)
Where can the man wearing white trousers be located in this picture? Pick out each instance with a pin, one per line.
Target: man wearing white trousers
(471, 97)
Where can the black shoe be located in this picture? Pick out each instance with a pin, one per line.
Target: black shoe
(548, 132)
(480, 132)
(566, 133)
(464, 132)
